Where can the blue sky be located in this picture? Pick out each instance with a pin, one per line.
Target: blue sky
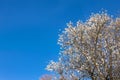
(29, 31)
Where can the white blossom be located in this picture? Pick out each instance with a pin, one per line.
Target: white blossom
(90, 49)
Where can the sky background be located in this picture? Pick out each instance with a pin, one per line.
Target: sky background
(29, 31)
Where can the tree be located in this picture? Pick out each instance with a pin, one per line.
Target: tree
(90, 49)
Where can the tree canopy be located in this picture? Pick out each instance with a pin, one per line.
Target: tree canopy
(89, 50)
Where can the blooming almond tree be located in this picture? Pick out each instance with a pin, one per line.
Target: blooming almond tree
(89, 50)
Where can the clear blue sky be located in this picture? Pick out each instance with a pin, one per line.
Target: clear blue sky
(29, 31)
